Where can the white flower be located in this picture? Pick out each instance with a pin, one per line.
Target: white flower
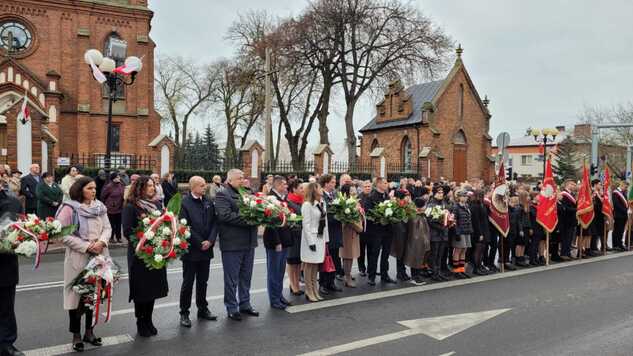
(146, 221)
(158, 258)
(29, 224)
(166, 231)
(149, 235)
(187, 234)
(336, 201)
(253, 204)
(156, 213)
(348, 211)
(176, 241)
(26, 248)
(57, 226)
(293, 216)
(388, 212)
(351, 201)
(183, 221)
(246, 200)
(13, 236)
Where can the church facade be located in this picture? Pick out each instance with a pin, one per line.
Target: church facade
(42, 46)
(435, 129)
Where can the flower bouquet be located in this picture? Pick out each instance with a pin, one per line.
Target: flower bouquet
(29, 236)
(265, 210)
(392, 211)
(161, 238)
(346, 210)
(438, 213)
(94, 283)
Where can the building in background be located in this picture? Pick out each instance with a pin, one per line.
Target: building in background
(436, 129)
(68, 107)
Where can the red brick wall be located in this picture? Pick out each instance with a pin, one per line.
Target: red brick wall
(64, 30)
(446, 121)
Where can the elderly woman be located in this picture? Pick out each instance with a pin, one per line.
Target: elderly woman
(49, 196)
(90, 239)
(314, 236)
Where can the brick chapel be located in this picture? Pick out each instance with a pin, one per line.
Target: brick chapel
(436, 129)
(68, 107)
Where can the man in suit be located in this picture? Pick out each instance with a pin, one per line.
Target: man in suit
(379, 236)
(335, 232)
(200, 215)
(277, 240)
(620, 215)
(29, 188)
(237, 243)
(9, 207)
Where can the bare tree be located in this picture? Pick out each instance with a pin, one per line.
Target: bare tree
(376, 41)
(183, 90)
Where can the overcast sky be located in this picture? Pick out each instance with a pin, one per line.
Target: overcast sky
(540, 62)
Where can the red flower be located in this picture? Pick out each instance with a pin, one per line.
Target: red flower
(280, 216)
(268, 213)
(259, 194)
(50, 219)
(182, 229)
(36, 221)
(172, 254)
(149, 250)
(91, 280)
(151, 221)
(402, 203)
(20, 238)
(165, 243)
(291, 210)
(140, 234)
(259, 201)
(22, 216)
(184, 245)
(166, 218)
(44, 236)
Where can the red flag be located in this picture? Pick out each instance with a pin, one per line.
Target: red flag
(585, 202)
(546, 213)
(499, 216)
(607, 205)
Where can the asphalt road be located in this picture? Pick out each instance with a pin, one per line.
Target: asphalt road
(571, 309)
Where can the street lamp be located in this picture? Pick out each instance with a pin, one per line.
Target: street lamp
(114, 79)
(542, 136)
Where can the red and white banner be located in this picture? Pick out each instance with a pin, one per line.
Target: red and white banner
(585, 212)
(499, 216)
(546, 213)
(24, 115)
(607, 204)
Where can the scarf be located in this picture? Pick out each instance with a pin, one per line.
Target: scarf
(148, 206)
(295, 198)
(81, 214)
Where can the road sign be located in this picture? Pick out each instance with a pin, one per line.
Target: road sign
(503, 140)
(63, 161)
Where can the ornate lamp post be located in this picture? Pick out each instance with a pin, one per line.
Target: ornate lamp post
(114, 79)
(544, 136)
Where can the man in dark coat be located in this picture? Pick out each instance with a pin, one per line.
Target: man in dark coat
(200, 216)
(378, 237)
(28, 188)
(9, 208)
(620, 215)
(237, 243)
(276, 241)
(335, 232)
(567, 219)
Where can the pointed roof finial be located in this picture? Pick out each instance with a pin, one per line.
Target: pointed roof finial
(486, 101)
(459, 51)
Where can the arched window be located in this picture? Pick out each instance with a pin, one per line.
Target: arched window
(406, 154)
(459, 138)
(116, 48)
(374, 144)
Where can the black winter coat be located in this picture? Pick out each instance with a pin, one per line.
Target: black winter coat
(334, 228)
(9, 270)
(620, 208)
(438, 232)
(567, 217)
(278, 235)
(463, 220)
(145, 284)
(479, 218)
(596, 228)
(200, 215)
(234, 233)
(375, 229)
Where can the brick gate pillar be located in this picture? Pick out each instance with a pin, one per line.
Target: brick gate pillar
(378, 163)
(323, 160)
(251, 155)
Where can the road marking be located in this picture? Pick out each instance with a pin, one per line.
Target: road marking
(449, 353)
(175, 304)
(67, 348)
(439, 328)
(418, 289)
(58, 284)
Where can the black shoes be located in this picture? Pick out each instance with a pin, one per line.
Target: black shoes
(235, 316)
(94, 341)
(334, 288)
(324, 290)
(11, 351)
(142, 328)
(509, 267)
(387, 279)
(371, 282)
(185, 321)
(249, 312)
(206, 315)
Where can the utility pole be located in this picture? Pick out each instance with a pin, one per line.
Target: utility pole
(268, 109)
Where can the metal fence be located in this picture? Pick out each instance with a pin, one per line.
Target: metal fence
(98, 160)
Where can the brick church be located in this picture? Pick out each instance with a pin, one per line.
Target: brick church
(42, 45)
(436, 129)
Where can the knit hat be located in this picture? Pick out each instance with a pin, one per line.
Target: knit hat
(114, 175)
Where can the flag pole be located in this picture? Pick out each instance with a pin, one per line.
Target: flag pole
(547, 248)
(502, 254)
(604, 240)
(579, 241)
(628, 234)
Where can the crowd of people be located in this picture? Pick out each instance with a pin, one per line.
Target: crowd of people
(319, 253)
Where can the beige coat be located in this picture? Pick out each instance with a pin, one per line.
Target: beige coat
(77, 256)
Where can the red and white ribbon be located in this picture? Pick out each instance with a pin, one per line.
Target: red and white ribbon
(38, 249)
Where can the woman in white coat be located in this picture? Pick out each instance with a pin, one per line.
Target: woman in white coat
(91, 238)
(314, 236)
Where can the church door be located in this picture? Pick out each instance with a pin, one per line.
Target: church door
(459, 157)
